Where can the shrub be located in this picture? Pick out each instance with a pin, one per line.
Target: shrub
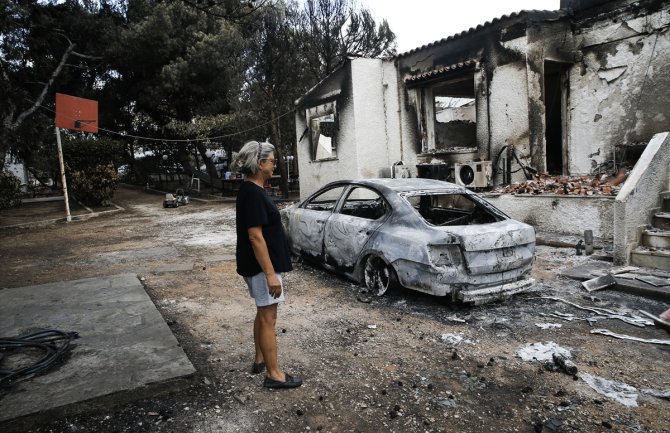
(90, 163)
(94, 186)
(10, 190)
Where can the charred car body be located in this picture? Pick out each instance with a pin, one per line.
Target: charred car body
(427, 235)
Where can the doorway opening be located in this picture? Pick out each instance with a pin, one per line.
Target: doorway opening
(555, 81)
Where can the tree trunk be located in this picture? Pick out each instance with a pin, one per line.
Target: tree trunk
(211, 169)
(276, 132)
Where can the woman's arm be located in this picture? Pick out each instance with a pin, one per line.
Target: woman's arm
(263, 257)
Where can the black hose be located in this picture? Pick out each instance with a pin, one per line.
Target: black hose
(495, 164)
(46, 340)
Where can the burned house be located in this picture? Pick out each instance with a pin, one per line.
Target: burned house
(577, 91)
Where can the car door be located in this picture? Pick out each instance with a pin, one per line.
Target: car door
(308, 223)
(348, 230)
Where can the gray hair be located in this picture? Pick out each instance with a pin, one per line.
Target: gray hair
(251, 154)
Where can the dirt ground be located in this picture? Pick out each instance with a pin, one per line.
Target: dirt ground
(404, 362)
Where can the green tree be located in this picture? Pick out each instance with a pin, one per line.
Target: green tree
(275, 78)
(331, 30)
(176, 63)
(45, 47)
(10, 190)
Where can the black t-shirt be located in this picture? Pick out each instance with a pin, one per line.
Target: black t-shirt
(254, 208)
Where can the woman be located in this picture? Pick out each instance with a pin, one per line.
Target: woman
(262, 256)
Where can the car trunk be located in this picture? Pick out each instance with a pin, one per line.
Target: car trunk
(497, 247)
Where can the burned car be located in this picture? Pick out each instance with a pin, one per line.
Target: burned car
(428, 235)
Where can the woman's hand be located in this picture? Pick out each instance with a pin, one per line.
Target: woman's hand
(274, 285)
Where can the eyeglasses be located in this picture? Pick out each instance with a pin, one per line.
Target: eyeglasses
(272, 160)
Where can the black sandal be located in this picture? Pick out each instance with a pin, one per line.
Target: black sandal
(290, 382)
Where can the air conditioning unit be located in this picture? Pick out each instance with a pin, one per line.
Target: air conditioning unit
(400, 170)
(476, 174)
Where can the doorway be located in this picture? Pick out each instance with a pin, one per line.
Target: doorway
(555, 80)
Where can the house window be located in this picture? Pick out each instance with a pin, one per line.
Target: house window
(449, 114)
(323, 127)
(455, 122)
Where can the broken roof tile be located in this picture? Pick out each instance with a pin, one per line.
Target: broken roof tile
(441, 70)
(531, 14)
(563, 185)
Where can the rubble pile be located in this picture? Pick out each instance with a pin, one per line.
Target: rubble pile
(564, 185)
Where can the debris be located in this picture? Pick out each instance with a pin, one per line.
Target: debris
(629, 337)
(455, 339)
(565, 316)
(554, 423)
(654, 281)
(548, 325)
(623, 270)
(660, 323)
(621, 392)
(372, 326)
(588, 242)
(542, 351)
(579, 247)
(564, 364)
(659, 394)
(604, 313)
(599, 283)
(364, 296)
(564, 185)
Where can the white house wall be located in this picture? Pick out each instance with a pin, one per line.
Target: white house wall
(369, 135)
(570, 215)
(509, 111)
(618, 93)
(372, 137)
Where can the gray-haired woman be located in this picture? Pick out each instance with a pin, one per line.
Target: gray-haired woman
(262, 256)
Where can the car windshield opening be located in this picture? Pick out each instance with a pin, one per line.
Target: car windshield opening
(451, 209)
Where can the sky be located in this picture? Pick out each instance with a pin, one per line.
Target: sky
(420, 22)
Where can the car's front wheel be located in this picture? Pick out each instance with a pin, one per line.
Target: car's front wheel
(379, 277)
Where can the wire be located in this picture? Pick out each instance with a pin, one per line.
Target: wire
(46, 340)
(176, 140)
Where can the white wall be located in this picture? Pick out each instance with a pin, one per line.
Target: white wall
(618, 93)
(570, 215)
(368, 140)
(371, 135)
(17, 169)
(640, 195)
(509, 112)
(373, 132)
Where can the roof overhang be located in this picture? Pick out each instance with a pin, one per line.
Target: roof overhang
(439, 73)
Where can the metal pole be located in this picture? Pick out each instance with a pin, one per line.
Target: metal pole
(62, 176)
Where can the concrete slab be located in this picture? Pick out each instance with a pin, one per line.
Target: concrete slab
(631, 282)
(125, 349)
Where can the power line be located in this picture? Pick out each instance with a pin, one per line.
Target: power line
(178, 140)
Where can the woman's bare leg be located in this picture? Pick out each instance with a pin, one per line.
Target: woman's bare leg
(267, 340)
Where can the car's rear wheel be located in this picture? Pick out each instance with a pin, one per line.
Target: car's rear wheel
(379, 277)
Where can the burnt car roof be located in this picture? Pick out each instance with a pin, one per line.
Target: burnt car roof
(402, 185)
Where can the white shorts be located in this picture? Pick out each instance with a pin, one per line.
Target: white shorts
(258, 289)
